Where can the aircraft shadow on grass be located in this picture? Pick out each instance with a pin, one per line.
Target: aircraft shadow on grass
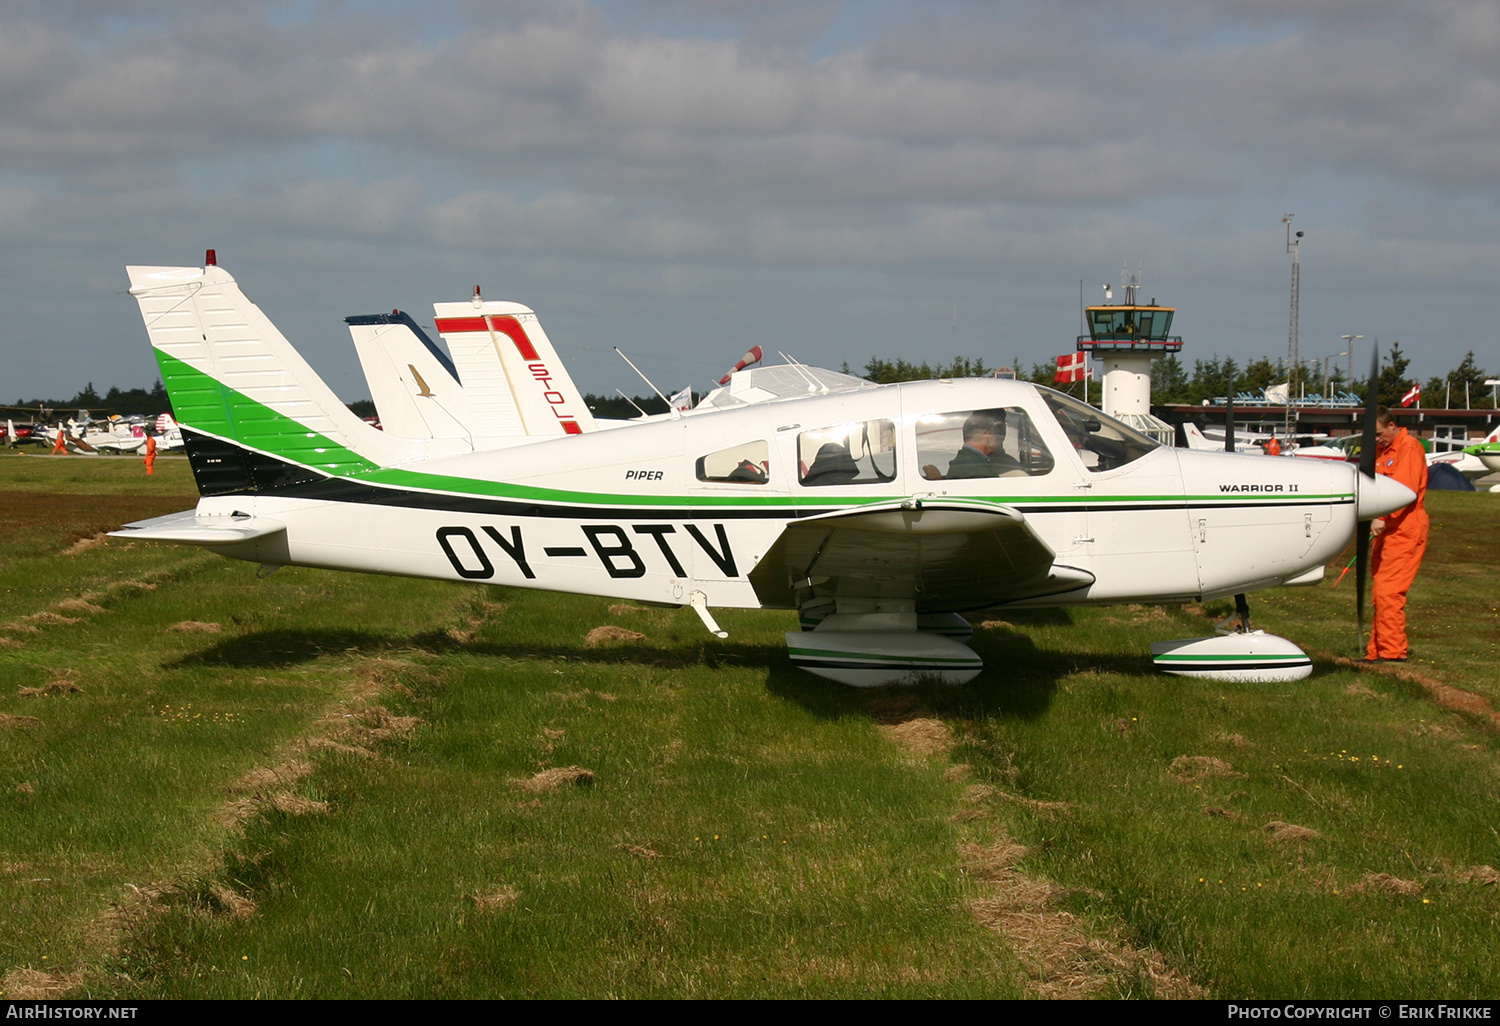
(1019, 681)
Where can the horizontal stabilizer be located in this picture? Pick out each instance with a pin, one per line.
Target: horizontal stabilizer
(188, 528)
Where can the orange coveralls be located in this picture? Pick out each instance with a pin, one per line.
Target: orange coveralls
(150, 454)
(1397, 551)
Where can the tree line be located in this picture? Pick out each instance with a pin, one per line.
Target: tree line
(148, 401)
(1171, 384)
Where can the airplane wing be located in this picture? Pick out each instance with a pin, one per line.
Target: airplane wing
(188, 528)
(948, 556)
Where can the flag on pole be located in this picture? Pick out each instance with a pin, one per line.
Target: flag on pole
(683, 400)
(1072, 367)
(1414, 396)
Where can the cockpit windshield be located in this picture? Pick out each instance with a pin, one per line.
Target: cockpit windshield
(1103, 443)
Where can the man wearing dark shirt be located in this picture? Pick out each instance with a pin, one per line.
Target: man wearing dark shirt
(982, 455)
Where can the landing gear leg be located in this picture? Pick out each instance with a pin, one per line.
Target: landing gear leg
(1239, 623)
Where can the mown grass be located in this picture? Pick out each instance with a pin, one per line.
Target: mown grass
(747, 830)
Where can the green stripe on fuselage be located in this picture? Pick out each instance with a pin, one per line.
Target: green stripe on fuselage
(204, 404)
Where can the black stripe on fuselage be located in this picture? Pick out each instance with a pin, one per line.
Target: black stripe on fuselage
(223, 468)
(1291, 663)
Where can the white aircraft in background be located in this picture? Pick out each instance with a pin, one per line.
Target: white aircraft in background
(504, 380)
(1473, 461)
(115, 435)
(860, 508)
(1212, 438)
(419, 392)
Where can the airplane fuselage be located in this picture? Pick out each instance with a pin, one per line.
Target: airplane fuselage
(633, 513)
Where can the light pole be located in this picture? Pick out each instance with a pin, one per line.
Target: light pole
(1349, 345)
(1332, 356)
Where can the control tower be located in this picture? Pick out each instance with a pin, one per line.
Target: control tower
(1126, 338)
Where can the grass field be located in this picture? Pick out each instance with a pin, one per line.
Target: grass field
(325, 785)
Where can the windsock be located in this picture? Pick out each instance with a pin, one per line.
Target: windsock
(753, 356)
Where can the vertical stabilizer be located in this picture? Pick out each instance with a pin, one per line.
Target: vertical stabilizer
(513, 378)
(254, 415)
(413, 383)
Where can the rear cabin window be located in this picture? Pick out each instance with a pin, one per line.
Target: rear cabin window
(998, 442)
(860, 452)
(746, 463)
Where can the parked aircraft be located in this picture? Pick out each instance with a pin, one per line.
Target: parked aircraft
(504, 379)
(114, 435)
(873, 511)
(420, 393)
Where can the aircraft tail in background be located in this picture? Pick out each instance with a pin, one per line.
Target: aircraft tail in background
(413, 383)
(512, 377)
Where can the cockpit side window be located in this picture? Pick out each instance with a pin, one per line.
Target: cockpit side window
(746, 463)
(1103, 443)
(861, 452)
(998, 442)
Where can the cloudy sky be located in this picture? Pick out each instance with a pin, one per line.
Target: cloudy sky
(685, 179)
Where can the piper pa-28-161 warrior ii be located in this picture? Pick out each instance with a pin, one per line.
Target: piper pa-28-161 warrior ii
(879, 513)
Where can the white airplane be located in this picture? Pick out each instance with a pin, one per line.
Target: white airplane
(1196, 439)
(419, 392)
(168, 434)
(1473, 461)
(1250, 441)
(503, 382)
(413, 383)
(865, 509)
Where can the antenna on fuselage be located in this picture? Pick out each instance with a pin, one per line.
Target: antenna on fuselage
(631, 401)
(676, 413)
(813, 384)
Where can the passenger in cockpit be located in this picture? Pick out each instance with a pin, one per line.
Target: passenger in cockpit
(983, 454)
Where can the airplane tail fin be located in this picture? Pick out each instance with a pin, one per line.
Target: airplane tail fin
(413, 383)
(1196, 439)
(255, 417)
(514, 381)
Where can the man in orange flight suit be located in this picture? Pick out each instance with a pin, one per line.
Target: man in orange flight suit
(60, 447)
(150, 454)
(1400, 538)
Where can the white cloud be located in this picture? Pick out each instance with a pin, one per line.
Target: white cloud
(647, 150)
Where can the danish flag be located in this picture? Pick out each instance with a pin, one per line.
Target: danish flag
(1072, 367)
(1414, 396)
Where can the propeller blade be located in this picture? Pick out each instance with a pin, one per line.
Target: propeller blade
(1229, 420)
(1367, 470)
(1361, 571)
(1372, 403)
